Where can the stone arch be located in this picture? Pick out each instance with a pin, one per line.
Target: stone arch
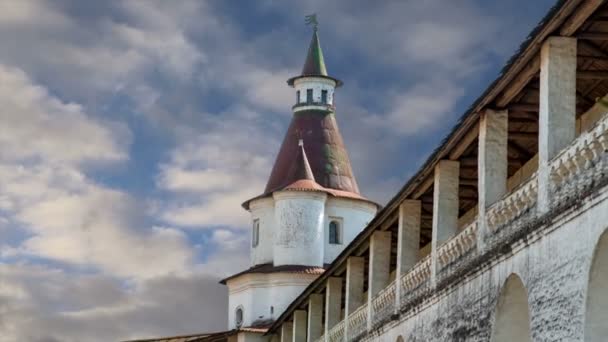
(596, 308)
(399, 339)
(512, 316)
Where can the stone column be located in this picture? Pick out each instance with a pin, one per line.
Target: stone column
(355, 269)
(408, 242)
(333, 303)
(299, 326)
(445, 207)
(315, 316)
(287, 332)
(492, 164)
(379, 268)
(557, 115)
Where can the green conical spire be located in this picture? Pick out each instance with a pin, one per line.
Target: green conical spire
(315, 64)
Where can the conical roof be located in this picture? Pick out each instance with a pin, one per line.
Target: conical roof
(325, 152)
(315, 63)
(300, 169)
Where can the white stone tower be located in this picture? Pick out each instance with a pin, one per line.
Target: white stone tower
(311, 207)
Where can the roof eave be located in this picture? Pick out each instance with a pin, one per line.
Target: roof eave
(292, 80)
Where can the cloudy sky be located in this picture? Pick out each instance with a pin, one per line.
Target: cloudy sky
(131, 131)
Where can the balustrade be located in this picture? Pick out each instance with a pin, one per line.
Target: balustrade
(585, 152)
(458, 246)
(336, 334)
(513, 205)
(383, 305)
(420, 273)
(357, 322)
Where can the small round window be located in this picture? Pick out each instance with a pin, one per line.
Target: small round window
(238, 317)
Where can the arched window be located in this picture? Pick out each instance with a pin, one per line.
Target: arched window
(512, 318)
(597, 288)
(324, 96)
(335, 234)
(297, 97)
(308, 95)
(255, 235)
(238, 317)
(399, 338)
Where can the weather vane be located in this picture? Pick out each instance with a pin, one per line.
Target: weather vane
(312, 20)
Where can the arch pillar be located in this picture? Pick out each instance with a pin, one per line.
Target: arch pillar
(596, 308)
(512, 316)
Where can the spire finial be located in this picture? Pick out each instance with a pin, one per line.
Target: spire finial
(311, 19)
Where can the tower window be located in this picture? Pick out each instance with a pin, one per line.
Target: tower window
(297, 96)
(335, 234)
(308, 95)
(238, 317)
(255, 235)
(324, 96)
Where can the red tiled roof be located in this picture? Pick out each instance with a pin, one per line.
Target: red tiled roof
(325, 150)
(300, 168)
(221, 336)
(270, 268)
(188, 338)
(325, 155)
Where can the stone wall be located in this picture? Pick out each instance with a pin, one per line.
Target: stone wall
(552, 255)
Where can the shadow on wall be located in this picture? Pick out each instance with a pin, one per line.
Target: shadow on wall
(512, 318)
(596, 315)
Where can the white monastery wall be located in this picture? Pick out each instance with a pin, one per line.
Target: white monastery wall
(249, 337)
(553, 263)
(257, 293)
(298, 238)
(263, 210)
(353, 217)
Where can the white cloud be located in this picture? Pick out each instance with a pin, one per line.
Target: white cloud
(27, 14)
(40, 303)
(204, 196)
(420, 108)
(70, 218)
(38, 125)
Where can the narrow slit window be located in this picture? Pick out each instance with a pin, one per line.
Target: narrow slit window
(335, 237)
(324, 96)
(308, 95)
(297, 97)
(255, 237)
(238, 317)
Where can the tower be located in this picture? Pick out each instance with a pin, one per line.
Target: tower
(310, 209)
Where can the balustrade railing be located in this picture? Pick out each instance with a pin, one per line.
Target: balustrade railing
(585, 152)
(420, 273)
(357, 323)
(336, 334)
(513, 205)
(383, 305)
(458, 246)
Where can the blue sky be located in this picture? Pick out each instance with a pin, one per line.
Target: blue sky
(133, 130)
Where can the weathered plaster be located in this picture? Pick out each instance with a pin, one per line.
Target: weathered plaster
(553, 260)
